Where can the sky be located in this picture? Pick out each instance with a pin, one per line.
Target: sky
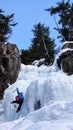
(27, 14)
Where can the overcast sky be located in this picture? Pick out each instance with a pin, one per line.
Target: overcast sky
(28, 13)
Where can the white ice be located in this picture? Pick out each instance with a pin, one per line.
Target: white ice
(50, 86)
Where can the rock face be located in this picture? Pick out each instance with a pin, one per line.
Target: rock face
(65, 60)
(9, 65)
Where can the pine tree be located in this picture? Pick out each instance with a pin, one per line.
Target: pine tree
(6, 23)
(65, 13)
(42, 45)
(25, 57)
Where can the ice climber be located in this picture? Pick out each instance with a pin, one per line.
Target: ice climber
(18, 99)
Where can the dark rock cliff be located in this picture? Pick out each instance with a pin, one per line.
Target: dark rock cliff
(9, 65)
(65, 60)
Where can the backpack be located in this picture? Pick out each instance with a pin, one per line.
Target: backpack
(17, 98)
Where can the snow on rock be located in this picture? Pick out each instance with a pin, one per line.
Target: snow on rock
(38, 62)
(67, 42)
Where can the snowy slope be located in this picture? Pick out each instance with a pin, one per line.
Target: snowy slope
(50, 86)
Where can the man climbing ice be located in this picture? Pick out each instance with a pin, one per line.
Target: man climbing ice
(19, 100)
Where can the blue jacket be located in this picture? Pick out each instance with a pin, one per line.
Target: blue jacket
(19, 94)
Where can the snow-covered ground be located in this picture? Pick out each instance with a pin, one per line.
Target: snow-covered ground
(48, 85)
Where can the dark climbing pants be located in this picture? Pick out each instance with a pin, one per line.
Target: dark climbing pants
(20, 102)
